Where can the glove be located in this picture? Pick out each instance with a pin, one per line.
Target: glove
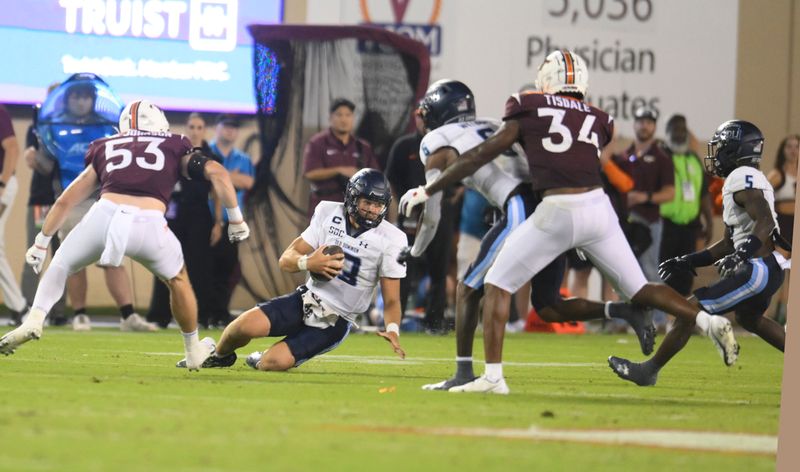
(404, 256)
(730, 264)
(675, 266)
(38, 252)
(412, 198)
(238, 231)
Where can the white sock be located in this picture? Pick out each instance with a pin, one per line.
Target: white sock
(494, 372)
(703, 320)
(36, 316)
(191, 341)
(464, 359)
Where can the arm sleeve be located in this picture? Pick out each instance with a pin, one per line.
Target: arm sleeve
(617, 177)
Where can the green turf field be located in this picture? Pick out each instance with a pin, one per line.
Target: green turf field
(109, 401)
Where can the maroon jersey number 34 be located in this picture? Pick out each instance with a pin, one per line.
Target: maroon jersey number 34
(562, 138)
(139, 163)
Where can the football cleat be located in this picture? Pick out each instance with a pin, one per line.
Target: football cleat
(633, 372)
(721, 333)
(19, 336)
(81, 323)
(449, 383)
(253, 359)
(640, 319)
(207, 348)
(135, 322)
(483, 385)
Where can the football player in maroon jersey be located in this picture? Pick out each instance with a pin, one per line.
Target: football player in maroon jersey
(562, 137)
(136, 170)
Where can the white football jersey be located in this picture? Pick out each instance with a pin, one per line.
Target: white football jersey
(368, 257)
(735, 216)
(495, 180)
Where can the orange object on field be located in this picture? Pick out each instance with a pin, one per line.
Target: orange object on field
(534, 324)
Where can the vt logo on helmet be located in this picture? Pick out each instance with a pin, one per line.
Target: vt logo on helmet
(372, 185)
(447, 101)
(563, 72)
(143, 116)
(735, 143)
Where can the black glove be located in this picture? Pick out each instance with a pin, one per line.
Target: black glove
(730, 264)
(675, 266)
(404, 256)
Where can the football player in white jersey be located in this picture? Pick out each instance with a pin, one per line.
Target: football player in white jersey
(317, 316)
(750, 267)
(448, 111)
(563, 137)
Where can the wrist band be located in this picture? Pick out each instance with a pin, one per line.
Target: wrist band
(42, 241)
(302, 263)
(393, 328)
(234, 215)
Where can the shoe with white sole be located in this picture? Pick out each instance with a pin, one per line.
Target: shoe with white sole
(446, 385)
(721, 333)
(483, 385)
(213, 360)
(81, 323)
(196, 359)
(135, 322)
(253, 359)
(19, 336)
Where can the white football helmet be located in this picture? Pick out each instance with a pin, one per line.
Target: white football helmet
(143, 116)
(563, 72)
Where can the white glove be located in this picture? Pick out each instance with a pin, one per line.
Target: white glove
(38, 252)
(238, 231)
(412, 198)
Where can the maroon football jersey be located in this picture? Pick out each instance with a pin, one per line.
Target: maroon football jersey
(138, 163)
(562, 138)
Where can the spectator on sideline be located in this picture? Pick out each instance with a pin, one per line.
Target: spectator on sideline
(9, 154)
(225, 271)
(783, 179)
(189, 217)
(653, 184)
(689, 213)
(332, 156)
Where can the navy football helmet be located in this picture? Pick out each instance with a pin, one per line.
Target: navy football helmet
(447, 101)
(372, 185)
(735, 143)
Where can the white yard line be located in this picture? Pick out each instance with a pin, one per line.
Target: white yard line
(711, 441)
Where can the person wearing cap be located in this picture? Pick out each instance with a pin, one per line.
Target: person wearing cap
(332, 156)
(653, 184)
(224, 254)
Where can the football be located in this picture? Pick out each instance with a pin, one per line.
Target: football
(327, 251)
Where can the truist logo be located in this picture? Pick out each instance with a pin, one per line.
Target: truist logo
(209, 24)
(428, 32)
